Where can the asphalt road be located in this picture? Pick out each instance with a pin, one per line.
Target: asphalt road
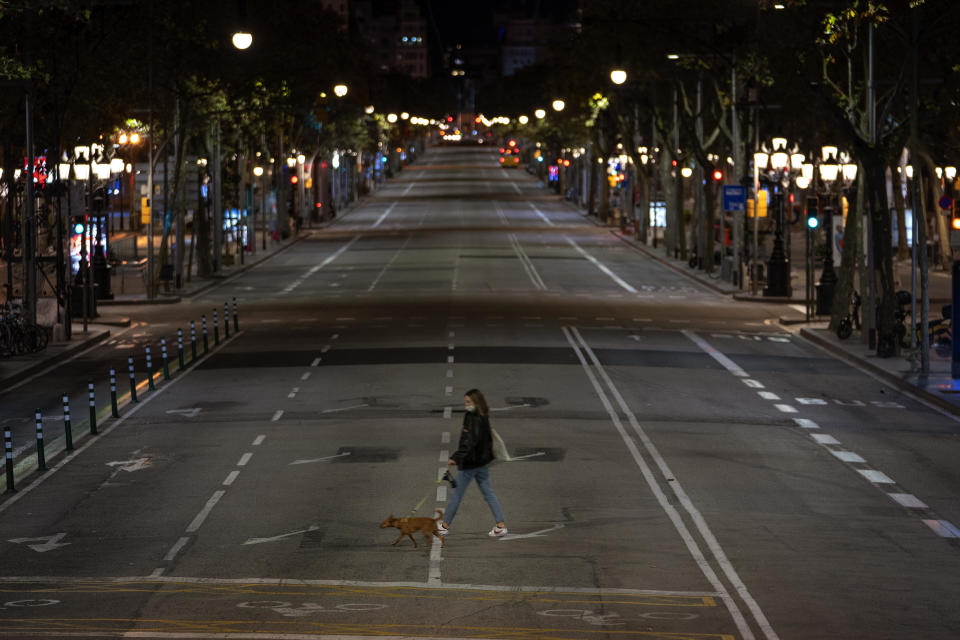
(688, 468)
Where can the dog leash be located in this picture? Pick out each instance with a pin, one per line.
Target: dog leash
(446, 476)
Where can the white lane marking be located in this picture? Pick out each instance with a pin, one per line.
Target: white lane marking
(444, 455)
(49, 542)
(280, 537)
(315, 268)
(447, 412)
(824, 438)
(445, 437)
(527, 264)
(877, 477)
(359, 583)
(442, 493)
(532, 534)
(449, 373)
(449, 359)
(305, 376)
(231, 477)
(943, 528)
(325, 348)
(316, 361)
(447, 391)
(324, 459)
(539, 213)
(276, 415)
(724, 361)
(768, 395)
(339, 409)
(529, 455)
(573, 338)
(753, 384)
(601, 266)
(258, 440)
(175, 549)
(207, 508)
(450, 347)
(334, 336)
(387, 266)
(908, 500)
(387, 212)
(806, 423)
(848, 456)
(244, 459)
(785, 408)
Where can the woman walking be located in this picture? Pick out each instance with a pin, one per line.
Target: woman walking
(472, 456)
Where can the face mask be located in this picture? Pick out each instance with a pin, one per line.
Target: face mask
(470, 407)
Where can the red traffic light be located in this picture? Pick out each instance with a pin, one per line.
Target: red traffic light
(718, 175)
(293, 179)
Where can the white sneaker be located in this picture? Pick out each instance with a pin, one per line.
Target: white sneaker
(498, 532)
(442, 530)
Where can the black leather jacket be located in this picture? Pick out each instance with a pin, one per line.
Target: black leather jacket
(476, 443)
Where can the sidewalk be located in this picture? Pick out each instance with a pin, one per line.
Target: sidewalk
(937, 388)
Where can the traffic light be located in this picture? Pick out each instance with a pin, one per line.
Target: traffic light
(717, 175)
(77, 224)
(813, 219)
(294, 179)
(955, 217)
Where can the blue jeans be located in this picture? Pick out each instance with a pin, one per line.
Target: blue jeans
(482, 475)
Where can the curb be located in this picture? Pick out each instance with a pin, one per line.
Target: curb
(63, 355)
(886, 376)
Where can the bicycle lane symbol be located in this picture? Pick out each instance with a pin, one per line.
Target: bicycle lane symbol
(308, 608)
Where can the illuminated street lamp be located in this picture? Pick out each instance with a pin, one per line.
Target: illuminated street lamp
(540, 113)
(391, 118)
(242, 40)
(558, 105)
(340, 90)
(523, 119)
(618, 75)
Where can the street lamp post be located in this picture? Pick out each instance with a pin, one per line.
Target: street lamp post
(830, 173)
(779, 177)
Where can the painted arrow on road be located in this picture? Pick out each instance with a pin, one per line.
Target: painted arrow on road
(186, 413)
(535, 534)
(339, 455)
(49, 542)
(280, 537)
(531, 455)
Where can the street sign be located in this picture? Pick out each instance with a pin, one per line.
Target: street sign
(734, 197)
(946, 203)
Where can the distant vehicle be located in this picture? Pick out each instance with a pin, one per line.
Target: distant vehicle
(510, 155)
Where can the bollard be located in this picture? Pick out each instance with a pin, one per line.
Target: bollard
(193, 341)
(163, 353)
(150, 371)
(133, 382)
(203, 320)
(113, 394)
(216, 328)
(8, 447)
(226, 320)
(41, 459)
(180, 348)
(236, 316)
(67, 426)
(93, 408)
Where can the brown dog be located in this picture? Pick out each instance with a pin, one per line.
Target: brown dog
(407, 526)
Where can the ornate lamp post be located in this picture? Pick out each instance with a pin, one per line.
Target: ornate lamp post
(781, 167)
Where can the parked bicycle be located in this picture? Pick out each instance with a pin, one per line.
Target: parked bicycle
(17, 335)
(852, 318)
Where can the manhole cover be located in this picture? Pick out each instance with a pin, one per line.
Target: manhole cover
(366, 454)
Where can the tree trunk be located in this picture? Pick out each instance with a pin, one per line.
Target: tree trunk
(592, 190)
(903, 244)
(882, 253)
(843, 291)
(709, 244)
